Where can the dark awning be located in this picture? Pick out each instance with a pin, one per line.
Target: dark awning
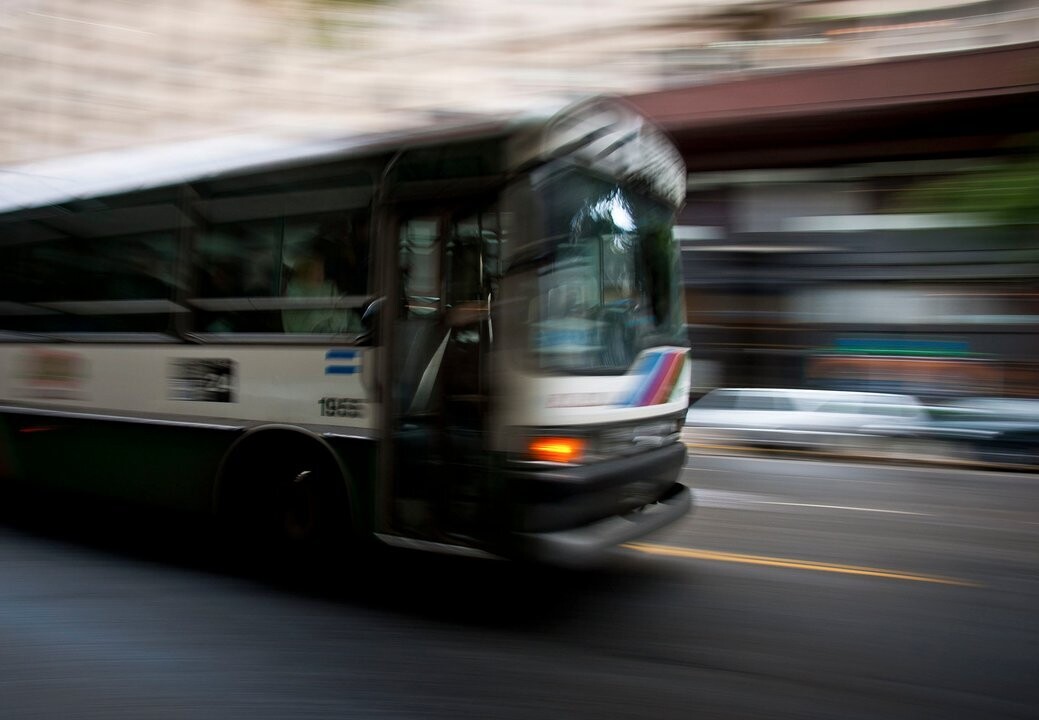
(953, 104)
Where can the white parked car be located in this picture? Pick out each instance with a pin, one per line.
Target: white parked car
(788, 417)
(990, 429)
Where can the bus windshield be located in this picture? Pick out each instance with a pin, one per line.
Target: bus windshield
(603, 280)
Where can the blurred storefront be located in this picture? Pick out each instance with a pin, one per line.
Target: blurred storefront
(873, 226)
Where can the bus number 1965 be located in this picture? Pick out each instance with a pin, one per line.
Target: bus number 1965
(341, 407)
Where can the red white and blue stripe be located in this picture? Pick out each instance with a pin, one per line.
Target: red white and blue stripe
(658, 372)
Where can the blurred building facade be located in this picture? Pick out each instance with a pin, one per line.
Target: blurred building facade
(871, 227)
(824, 239)
(78, 76)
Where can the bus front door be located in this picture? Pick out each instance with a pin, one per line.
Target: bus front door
(439, 393)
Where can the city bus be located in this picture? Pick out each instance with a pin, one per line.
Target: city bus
(469, 339)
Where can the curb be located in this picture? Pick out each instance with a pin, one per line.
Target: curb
(965, 463)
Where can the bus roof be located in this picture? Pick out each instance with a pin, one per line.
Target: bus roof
(606, 131)
(77, 177)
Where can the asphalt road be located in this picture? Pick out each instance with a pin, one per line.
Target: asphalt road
(796, 590)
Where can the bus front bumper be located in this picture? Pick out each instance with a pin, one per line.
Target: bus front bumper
(573, 516)
(589, 544)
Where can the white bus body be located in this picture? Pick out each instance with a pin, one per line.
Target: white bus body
(471, 338)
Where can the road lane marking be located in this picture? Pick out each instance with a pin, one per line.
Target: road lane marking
(841, 507)
(728, 499)
(694, 554)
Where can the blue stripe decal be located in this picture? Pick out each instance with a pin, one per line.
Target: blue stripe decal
(341, 370)
(342, 362)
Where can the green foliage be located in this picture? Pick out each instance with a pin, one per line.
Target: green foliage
(1007, 191)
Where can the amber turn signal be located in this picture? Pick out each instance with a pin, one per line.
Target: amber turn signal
(556, 449)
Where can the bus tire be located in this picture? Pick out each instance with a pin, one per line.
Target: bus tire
(285, 499)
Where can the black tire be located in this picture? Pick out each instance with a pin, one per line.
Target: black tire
(288, 507)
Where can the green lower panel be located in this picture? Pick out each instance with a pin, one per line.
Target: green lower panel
(165, 466)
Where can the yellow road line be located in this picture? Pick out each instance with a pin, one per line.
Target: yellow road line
(693, 554)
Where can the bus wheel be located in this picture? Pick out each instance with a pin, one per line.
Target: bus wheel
(300, 508)
(288, 505)
(308, 513)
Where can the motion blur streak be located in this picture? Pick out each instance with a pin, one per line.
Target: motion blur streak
(694, 554)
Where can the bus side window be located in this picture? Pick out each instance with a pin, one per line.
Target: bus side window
(327, 259)
(283, 252)
(420, 266)
(418, 334)
(104, 266)
(444, 287)
(234, 262)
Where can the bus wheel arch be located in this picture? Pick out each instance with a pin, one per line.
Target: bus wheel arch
(285, 486)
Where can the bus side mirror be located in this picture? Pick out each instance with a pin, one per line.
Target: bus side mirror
(370, 321)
